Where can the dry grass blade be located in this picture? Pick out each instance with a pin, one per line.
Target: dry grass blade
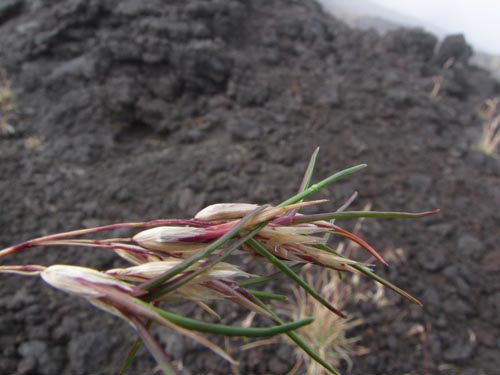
(328, 334)
(490, 137)
(7, 106)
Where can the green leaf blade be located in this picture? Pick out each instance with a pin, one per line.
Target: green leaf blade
(293, 276)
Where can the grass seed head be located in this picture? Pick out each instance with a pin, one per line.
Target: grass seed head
(215, 232)
(154, 269)
(225, 211)
(328, 335)
(171, 240)
(79, 280)
(167, 234)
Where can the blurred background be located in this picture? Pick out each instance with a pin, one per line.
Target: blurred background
(131, 110)
(476, 20)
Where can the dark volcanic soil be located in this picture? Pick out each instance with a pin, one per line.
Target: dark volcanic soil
(132, 110)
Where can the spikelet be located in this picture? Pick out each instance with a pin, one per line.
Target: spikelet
(78, 280)
(171, 240)
(225, 211)
(154, 269)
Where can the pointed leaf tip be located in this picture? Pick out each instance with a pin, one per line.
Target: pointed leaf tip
(433, 212)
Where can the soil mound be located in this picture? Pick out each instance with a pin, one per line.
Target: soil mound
(130, 110)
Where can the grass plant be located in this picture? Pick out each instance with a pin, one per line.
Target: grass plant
(7, 106)
(175, 260)
(327, 335)
(490, 137)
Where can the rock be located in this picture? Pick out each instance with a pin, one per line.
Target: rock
(192, 136)
(456, 274)
(152, 113)
(470, 246)
(372, 360)
(459, 352)
(491, 261)
(473, 371)
(52, 361)
(434, 344)
(81, 65)
(34, 349)
(246, 89)
(458, 307)
(494, 301)
(40, 332)
(37, 354)
(284, 351)
(20, 299)
(414, 41)
(205, 67)
(399, 96)
(419, 183)
(9, 9)
(175, 345)
(442, 229)
(328, 94)
(453, 47)
(89, 350)
(243, 129)
(433, 262)
(393, 342)
(431, 297)
(485, 334)
(276, 366)
(68, 324)
(26, 365)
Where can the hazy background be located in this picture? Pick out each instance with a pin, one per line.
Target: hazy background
(478, 20)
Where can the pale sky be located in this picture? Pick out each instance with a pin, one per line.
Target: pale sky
(479, 20)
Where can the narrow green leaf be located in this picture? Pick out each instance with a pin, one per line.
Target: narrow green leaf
(292, 275)
(306, 180)
(266, 295)
(386, 283)
(318, 186)
(258, 280)
(221, 329)
(360, 214)
(130, 355)
(133, 351)
(297, 340)
(310, 352)
(375, 277)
